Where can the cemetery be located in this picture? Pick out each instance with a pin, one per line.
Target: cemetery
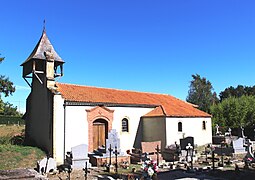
(228, 155)
(101, 133)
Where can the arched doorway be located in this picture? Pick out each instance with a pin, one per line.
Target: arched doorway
(100, 133)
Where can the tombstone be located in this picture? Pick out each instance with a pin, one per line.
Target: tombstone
(46, 165)
(80, 156)
(184, 142)
(238, 146)
(113, 140)
(150, 149)
(218, 139)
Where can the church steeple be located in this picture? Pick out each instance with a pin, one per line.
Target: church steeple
(43, 64)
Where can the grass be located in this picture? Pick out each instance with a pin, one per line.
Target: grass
(6, 130)
(16, 156)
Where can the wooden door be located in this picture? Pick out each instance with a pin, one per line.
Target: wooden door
(98, 135)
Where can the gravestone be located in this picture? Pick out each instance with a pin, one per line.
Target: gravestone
(188, 141)
(80, 156)
(217, 140)
(113, 140)
(185, 141)
(238, 146)
(46, 165)
(149, 148)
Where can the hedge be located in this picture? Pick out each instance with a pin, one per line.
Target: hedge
(10, 120)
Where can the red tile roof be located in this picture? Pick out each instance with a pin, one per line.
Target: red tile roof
(166, 105)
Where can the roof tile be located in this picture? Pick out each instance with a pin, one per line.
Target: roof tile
(167, 105)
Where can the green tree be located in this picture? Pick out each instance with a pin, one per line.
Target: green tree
(201, 93)
(6, 88)
(239, 91)
(234, 112)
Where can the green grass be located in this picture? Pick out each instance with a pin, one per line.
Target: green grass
(16, 156)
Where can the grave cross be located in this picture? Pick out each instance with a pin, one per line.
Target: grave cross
(229, 131)
(242, 132)
(110, 150)
(158, 151)
(116, 158)
(217, 129)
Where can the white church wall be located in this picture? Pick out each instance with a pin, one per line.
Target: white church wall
(58, 129)
(133, 114)
(190, 127)
(76, 126)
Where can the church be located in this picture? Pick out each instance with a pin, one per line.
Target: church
(60, 116)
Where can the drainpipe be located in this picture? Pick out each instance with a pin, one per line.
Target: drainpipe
(64, 145)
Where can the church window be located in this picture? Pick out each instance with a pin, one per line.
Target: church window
(125, 125)
(179, 126)
(203, 125)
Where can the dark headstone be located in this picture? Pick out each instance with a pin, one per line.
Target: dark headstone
(227, 151)
(218, 139)
(184, 142)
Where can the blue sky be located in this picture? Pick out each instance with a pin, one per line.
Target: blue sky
(141, 45)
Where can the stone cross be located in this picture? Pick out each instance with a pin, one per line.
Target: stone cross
(229, 131)
(217, 129)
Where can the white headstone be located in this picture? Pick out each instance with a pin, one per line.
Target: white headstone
(80, 156)
(113, 140)
(238, 146)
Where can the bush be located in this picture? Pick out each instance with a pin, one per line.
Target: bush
(10, 120)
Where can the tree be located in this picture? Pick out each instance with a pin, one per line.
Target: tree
(201, 93)
(239, 91)
(7, 88)
(234, 112)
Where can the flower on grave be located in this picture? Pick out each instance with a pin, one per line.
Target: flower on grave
(150, 167)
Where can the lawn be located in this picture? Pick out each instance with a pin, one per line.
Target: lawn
(16, 156)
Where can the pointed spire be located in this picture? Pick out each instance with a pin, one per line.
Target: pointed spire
(42, 46)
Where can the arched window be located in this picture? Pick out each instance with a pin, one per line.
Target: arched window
(125, 125)
(179, 126)
(203, 125)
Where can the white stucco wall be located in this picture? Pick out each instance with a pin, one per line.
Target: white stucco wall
(76, 131)
(133, 115)
(76, 126)
(190, 127)
(58, 129)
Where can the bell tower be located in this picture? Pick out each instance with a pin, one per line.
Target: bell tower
(43, 65)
